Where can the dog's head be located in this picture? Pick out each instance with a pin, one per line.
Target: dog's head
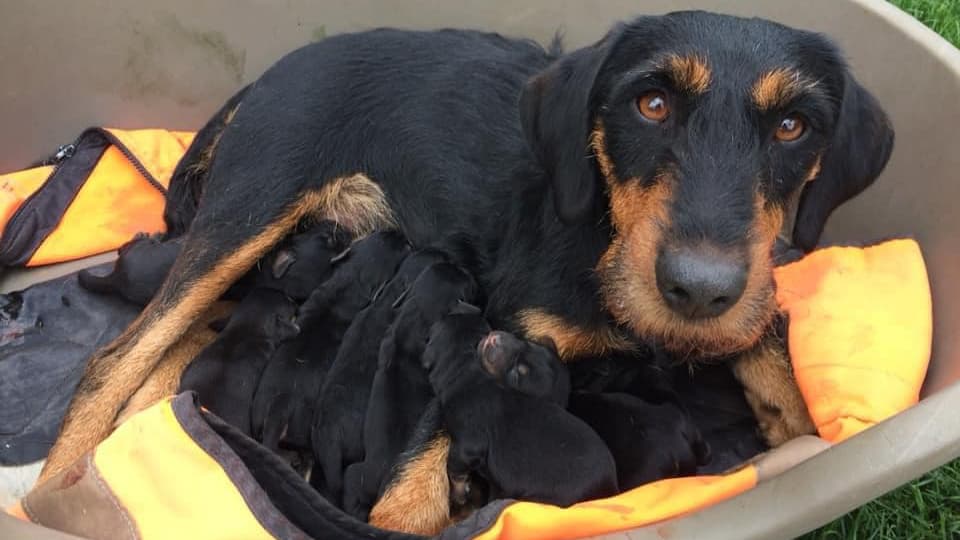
(693, 133)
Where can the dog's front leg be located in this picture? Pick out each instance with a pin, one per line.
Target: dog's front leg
(772, 392)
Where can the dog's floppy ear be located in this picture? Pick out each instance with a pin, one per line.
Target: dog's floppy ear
(556, 116)
(859, 151)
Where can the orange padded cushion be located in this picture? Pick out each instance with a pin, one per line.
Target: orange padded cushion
(860, 331)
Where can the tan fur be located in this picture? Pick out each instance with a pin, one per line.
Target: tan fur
(164, 380)
(689, 73)
(774, 89)
(772, 392)
(627, 270)
(206, 156)
(357, 203)
(417, 501)
(814, 170)
(571, 341)
(119, 369)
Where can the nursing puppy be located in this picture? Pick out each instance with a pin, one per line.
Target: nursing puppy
(400, 391)
(524, 447)
(337, 432)
(706, 398)
(138, 273)
(649, 442)
(283, 407)
(225, 374)
(296, 266)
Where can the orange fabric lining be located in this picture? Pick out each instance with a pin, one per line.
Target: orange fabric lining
(171, 486)
(16, 187)
(641, 506)
(116, 201)
(861, 325)
(114, 204)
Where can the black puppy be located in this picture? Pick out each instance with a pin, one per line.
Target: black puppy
(141, 267)
(708, 396)
(401, 390)
(296, 266)
(226, 372)
(300, 263)
(337, 432)
(648, 441)
(715, 401)
(283, 407)
(522, 446)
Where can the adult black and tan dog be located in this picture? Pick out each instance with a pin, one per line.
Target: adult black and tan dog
(629, 190)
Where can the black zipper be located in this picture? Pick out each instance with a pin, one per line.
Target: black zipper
(63, 153)
(132, 159)
(89, 139)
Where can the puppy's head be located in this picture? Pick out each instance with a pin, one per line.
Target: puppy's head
(263, 313)
(451, 346)
(692, 133)
(305, 260)
(531, 368)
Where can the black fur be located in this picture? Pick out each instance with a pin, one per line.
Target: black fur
(649, 442)
(704, 398)
(225, 373)
(188, 178)
(337, 432)
(141, 266)
(400, 390)
(283, 407)
(521, 446)
(296, 266)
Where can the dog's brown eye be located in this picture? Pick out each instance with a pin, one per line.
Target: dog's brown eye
(790, 129)
(653, 106)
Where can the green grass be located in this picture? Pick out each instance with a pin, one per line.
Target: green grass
(943, 16)
(929, 507)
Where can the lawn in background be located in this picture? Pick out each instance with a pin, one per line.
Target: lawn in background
(929, 507)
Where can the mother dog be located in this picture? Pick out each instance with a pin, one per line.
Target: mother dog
(629, 190)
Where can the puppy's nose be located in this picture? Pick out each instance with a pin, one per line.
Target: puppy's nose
(700, 285)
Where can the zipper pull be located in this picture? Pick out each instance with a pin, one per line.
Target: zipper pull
(64, 152)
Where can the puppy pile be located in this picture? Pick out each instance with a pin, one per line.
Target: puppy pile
(351, 360)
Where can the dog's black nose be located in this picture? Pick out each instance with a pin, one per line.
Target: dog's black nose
(700, 285)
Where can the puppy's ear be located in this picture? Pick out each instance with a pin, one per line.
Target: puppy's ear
(855, 158)
(403, 296)
(342, 255)
(286, 327)
(282, 262)
(556, 115)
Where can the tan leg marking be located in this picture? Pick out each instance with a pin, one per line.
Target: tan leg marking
(417, 501)
(772, 392)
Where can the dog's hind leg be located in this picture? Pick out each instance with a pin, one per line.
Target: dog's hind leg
(218, 250)
(221, 246)
(164, 380)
